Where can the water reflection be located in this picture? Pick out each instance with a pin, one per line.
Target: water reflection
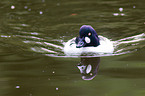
(89, 67)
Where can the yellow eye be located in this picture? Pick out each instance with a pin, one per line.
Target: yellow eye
(89, 34)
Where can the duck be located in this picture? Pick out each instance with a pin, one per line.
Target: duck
(88, 42)
(89, 67)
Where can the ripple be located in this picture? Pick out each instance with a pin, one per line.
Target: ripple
(5, 36)
(55, 49)
(129, 44)
(42, 50)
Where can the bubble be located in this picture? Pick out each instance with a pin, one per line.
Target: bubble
(29, 9)
(25, 7)
(120, 9)
(12, 7)
(17, 87)
(134, 6)
(56, 88)
(41, 12)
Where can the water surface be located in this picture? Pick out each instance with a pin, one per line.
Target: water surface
(32, 34)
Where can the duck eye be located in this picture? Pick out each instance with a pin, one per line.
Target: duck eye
(89, 34)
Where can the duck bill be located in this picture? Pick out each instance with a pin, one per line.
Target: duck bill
(81, 43)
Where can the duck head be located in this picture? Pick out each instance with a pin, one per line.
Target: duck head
(87, 37)
(89, 67)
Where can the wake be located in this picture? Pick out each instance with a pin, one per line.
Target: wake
(54, 47)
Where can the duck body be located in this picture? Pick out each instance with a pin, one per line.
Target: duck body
(88, 42)
(106, 46)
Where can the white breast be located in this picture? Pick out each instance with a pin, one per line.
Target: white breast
(106, 46)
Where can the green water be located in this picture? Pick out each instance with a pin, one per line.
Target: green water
(32, 34)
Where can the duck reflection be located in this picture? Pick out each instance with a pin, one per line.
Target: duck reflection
(89, 67)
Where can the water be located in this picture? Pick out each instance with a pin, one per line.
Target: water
(32, 34)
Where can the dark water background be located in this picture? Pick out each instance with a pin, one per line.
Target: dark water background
(32, 33)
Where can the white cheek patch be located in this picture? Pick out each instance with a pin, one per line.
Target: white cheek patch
(89, 68)
(87, 39)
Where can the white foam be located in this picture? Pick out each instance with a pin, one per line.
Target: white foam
(106, 46)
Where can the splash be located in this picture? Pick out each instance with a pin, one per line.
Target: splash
(123, 46)
(54, 47)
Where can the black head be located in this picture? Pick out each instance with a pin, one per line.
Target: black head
(89, 67)
(87, 37)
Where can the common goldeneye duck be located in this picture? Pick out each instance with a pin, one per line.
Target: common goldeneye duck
(87, 37)
(88, 42)
(89, 67)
